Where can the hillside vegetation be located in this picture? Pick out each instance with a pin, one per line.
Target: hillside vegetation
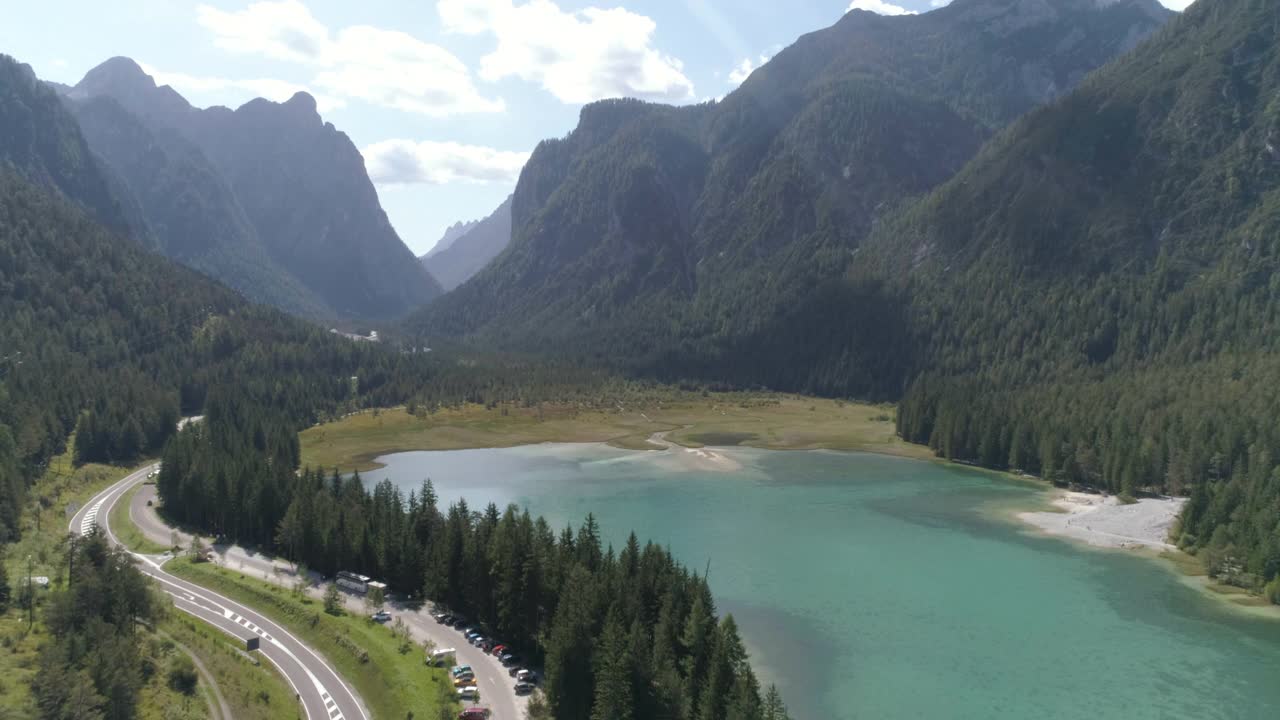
(676, 241)
(1095, 297)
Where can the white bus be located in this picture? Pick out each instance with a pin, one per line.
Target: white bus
(354, 582)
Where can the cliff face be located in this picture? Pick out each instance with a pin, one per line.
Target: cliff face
(652, 232)
(298, 182)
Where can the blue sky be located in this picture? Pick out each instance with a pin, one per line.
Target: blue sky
(445, 98)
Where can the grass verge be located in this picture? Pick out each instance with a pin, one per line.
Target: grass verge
(763, 420)
(392, 679)
(253, 690)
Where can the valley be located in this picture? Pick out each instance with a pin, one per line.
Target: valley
(887, 359)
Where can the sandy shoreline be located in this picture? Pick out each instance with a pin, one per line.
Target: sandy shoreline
(1102, 521)
(695, 458)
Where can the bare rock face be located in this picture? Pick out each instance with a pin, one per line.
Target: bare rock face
(273, 186)
(726, 215)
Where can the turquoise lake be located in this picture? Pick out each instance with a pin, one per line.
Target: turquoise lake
(877, 587)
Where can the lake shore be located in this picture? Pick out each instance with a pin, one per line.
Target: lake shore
(689, 421)
(1104, 521)
(695, 458)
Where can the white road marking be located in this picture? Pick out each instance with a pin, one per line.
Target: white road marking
(89, 521)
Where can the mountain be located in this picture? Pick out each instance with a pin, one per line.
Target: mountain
(41, 144)
(476, 244)
(298, 182)
(1094, 299)
(102, 337)
(194, 216)
(451, 233)
(665, 238)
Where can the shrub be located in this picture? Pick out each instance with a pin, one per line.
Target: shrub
(1272, 591)
(182, 675)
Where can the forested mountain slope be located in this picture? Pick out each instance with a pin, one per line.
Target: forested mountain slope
(194, 216)
(267, 178)
(42, 145)
(474, 247)
(1095, 298)
(666, 237)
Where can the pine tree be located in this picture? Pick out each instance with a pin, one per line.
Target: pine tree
(697, 641)
(614, 699)
(773, 707)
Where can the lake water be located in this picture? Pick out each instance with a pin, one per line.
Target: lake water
(877, 587)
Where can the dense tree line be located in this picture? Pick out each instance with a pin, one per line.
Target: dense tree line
(92, 666)
(1095, 299)
(626, 634)
(97, 334)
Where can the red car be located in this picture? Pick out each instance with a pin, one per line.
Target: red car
(498, 650)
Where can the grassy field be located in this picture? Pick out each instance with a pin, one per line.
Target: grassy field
(753, 419)
(254, 691)
(393, 683)
(127, 532)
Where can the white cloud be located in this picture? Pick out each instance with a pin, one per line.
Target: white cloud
(402, 162)
(394, 69)
(577, 56)
(284, 30)
(939, 3)
(879, 7)
(744, 69)
(271, 89)
(382, 67)
(1177, 4)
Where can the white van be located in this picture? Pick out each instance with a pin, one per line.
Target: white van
(440, 657)
(470, 692)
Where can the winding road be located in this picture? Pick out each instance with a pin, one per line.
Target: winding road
(321, 691)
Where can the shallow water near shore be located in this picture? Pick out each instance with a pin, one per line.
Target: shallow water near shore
(878, 587)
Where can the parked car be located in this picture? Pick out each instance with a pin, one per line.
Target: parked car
(524, 688)
(485, 645)
(526, 676)
(460, 669)
(470, 692)
(382, 616)
(464, 680)
(498, 650)
(510, 659)
(474, 713)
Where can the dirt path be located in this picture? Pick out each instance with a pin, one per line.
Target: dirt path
(218, 707)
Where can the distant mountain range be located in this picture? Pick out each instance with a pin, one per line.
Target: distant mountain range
(268, 198)
(666, 238)
(451, 233)
(467, 247)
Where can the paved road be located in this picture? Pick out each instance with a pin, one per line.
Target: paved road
(497, 687)
(323, 694)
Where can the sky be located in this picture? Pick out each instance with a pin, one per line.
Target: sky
(444, 98)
